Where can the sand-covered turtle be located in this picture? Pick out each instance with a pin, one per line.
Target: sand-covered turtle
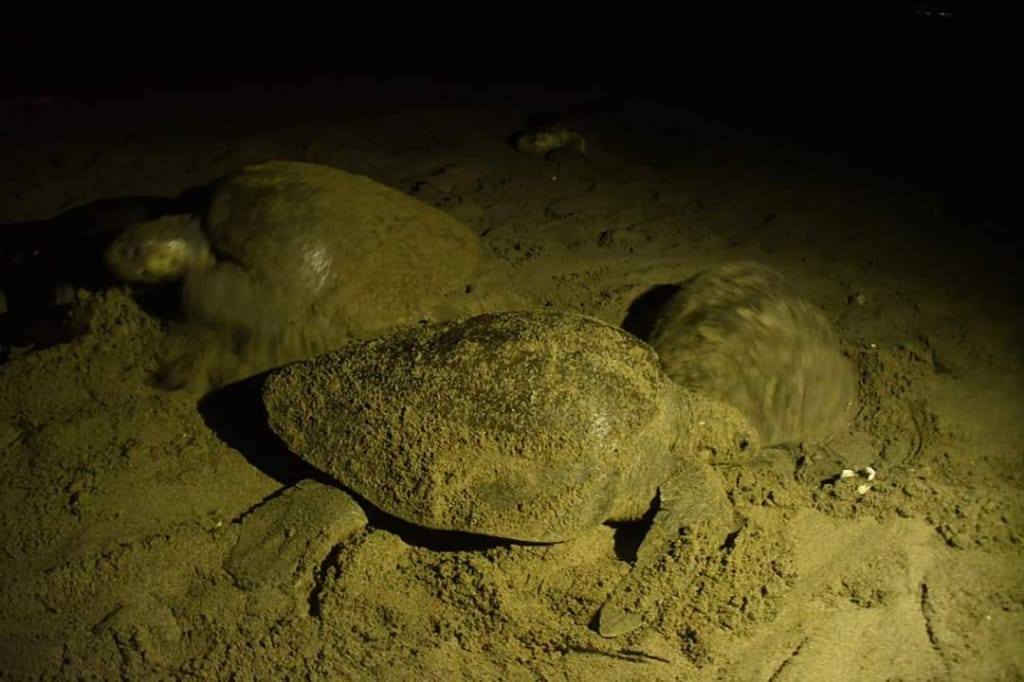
(741, 332)
(534, 426)
(299, 256)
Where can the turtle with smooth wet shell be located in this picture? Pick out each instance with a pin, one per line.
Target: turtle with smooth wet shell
(532, 426)
(288, 248)
(741, 332)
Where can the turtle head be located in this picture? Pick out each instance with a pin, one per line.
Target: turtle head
(161, 250)
(718, 429)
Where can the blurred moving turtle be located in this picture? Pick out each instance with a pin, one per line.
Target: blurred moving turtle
(533, 426)
(740, 332)
(291, 258)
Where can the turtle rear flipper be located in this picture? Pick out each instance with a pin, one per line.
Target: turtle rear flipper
(692, 497)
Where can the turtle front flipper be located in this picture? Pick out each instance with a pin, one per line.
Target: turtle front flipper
(691, 503)
(236, 325)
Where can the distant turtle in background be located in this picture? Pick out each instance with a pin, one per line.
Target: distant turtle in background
(534, 426)
(740, 332)
(547, 140)
(568, 131)
(292, 258)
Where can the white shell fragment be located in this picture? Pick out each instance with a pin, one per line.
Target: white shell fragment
(867, 473)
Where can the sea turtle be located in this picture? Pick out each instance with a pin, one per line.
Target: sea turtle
(548, 139)
(534, 426)
(741, 332)
(295, 258)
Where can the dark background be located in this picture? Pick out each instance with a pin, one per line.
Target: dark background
(931, 87)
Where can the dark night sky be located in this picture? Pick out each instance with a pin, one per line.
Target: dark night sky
(929, 43)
